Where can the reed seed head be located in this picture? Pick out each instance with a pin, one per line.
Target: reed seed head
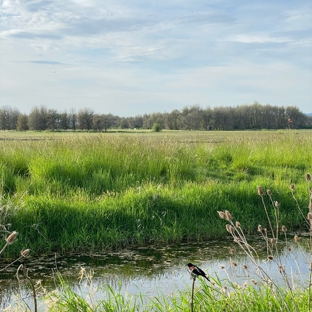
(270, 257)
(296, 238)
(260, 191)
(221, 214)
(276, 204)
(259, 228)
(292, 187)
(310, 205)
(232, 251)
(237, 224)
(227, 215)
(309, 216)
(272, 240)
(234, 263)
(245, 267)
(269, 192)
(25, 253)
(222, 267)
(308, 177)
(284, 229)
(229, 228)
(11, 238)
(310, 266)
(254, 282)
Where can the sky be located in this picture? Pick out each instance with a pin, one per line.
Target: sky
(135, 57)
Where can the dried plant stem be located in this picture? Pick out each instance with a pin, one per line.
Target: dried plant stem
(11, 263)
(192, 296)
(2, 250)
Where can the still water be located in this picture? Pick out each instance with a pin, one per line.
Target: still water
(152, 269)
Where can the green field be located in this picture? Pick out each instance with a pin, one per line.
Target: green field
(87, 192)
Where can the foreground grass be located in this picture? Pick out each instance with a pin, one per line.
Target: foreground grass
(239, 298)
(98, 192)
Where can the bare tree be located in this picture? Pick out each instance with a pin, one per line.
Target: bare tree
(38, 119)
(22, 123)
(85, 118)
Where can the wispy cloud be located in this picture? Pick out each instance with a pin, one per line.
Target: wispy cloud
(46, 62)
(135, 51)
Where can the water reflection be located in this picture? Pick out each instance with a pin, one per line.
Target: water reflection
(152, 269)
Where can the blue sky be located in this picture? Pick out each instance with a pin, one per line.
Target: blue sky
(131, 57)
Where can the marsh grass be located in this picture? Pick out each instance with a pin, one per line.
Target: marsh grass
(265, 293)
(90, 192)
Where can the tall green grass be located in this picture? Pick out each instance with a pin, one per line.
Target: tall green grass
(98, 192)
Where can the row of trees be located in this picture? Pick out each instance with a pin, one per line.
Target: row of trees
(255, 116)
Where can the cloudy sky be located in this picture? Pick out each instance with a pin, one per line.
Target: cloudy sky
(131, 57)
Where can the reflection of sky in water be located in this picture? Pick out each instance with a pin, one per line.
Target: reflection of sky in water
(157, 269)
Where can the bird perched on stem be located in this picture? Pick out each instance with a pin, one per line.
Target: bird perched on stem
(197, 271)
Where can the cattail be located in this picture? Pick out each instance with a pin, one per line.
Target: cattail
(269, 192)
(260, 191)
(259, 228)
(237, 224)
(11, 238)
(227, 215)
(229, 228)
(309, 216)
(308, 177)
(25, 253)
(292, 187)
(296, 238)
(221, 214)
(284, 229)
(270, 257)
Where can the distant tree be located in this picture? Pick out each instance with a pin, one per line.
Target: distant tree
(8, 118)
(172, 120)
(156, 127)
(73, 119)
(38, 119)
(295, 118)
(22, 123)
(53, 119)
(85, 118)
(97, 123)
(64, 121)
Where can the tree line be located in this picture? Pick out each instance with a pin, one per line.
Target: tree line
(241, 117)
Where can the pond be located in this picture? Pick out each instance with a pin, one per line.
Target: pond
(153, 269)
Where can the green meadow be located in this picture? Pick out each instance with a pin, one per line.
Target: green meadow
(93, 192)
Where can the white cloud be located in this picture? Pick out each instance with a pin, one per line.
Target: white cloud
(124, 55)
(258, 38)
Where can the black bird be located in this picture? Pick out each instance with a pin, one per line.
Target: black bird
(197, 271)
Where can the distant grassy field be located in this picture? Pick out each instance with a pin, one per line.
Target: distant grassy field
(87, 192)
